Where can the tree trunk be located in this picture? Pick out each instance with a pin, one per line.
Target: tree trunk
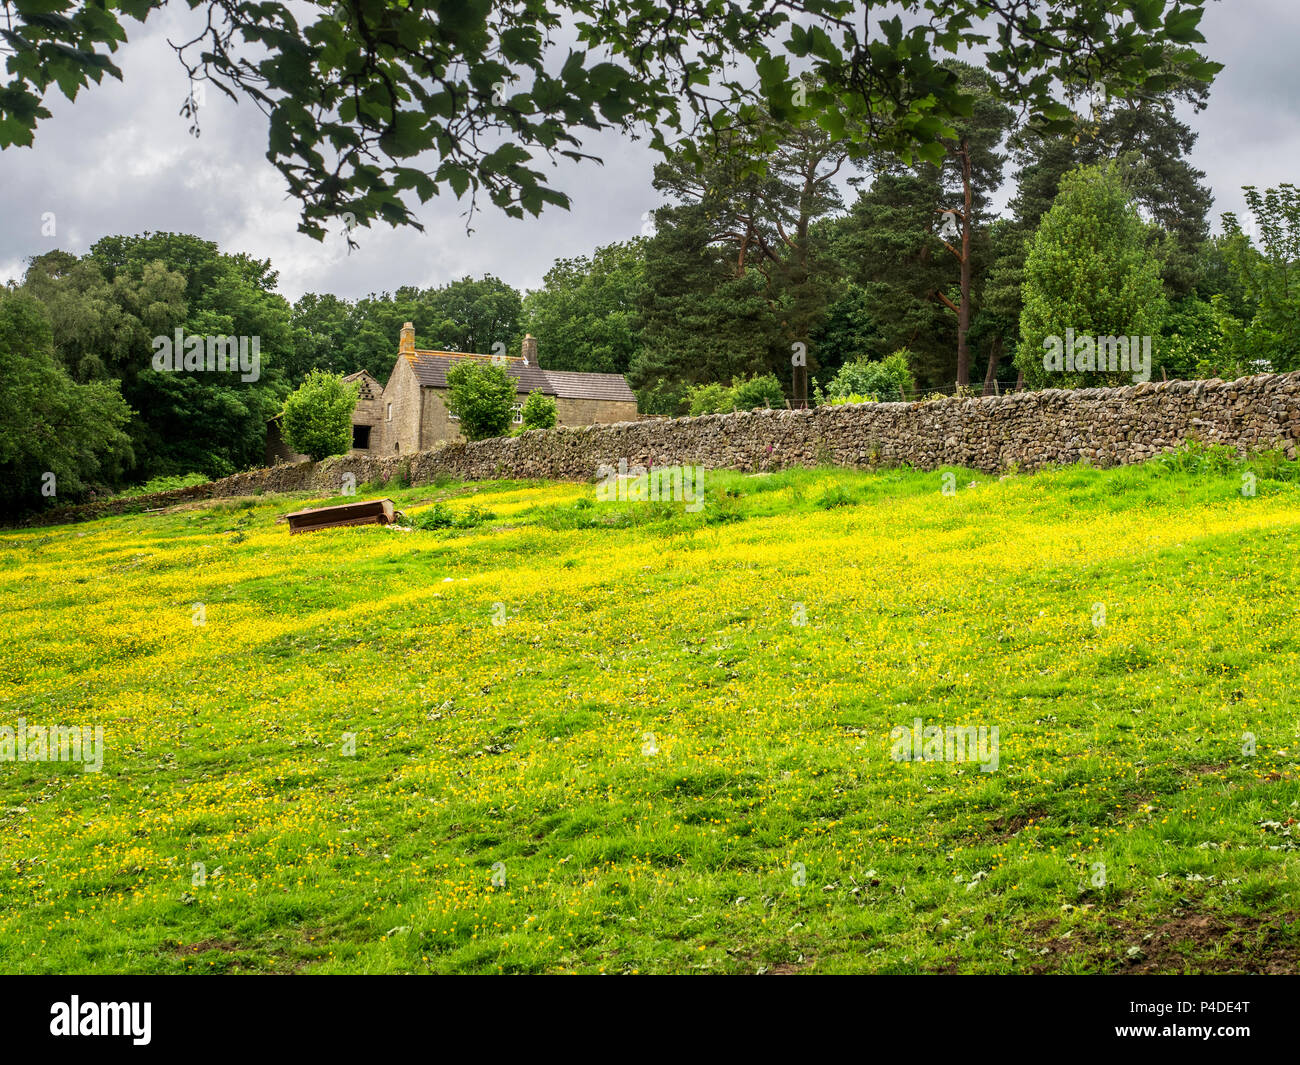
(799, 374)
(995, 356)
(799, 385)
(963, 312)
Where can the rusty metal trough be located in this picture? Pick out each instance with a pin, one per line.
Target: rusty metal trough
(366, 512)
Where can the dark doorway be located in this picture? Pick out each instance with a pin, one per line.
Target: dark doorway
(361, 437)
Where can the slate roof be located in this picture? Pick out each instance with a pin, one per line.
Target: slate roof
(431, 371)
(571, 385)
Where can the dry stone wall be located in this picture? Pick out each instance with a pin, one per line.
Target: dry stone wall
(1025, 430)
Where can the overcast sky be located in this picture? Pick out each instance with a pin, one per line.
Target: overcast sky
(121, 160)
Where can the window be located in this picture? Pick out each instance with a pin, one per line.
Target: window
(517, 414)
(361, 437)
(389, 415)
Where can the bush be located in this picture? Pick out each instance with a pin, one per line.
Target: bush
(438, 516)
(164, 484)
(744, 394)
(441, 516)
(836, 495)
(713, 398)
(1273, 465)
(481, 396)
(539, 411)
(764, 391)
(1194, 456)
(960, 392)
(1190, 342)
(317, 419)
(401, 477)
(888, 380)
(474, 516)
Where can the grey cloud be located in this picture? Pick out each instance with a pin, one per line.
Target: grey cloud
(121, 161)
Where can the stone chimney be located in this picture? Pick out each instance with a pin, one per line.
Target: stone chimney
(530, 349)
(407, 342)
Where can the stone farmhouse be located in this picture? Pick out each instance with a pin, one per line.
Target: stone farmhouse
(410, 413)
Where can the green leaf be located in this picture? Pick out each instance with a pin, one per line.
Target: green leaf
(407, 135)
(1147, 12)
(456, 176)
(1181, 26)
(932, 152)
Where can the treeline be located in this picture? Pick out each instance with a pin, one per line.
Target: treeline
(769, 283)
(86, 400)
(745, 267)
(80, 400)
(756, 287)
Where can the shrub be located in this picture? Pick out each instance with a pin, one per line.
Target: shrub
(1194, 456)
(164, 484)
(762, 390)
(758, 391)
(539, 411)
(836, 495)
(438, 516)
(481, 396)
(473, 516)
(712, 398)
(1273, 465)
(317, 418)
(888, 380)
(1189, 345)
(401, 477)
(441, 516)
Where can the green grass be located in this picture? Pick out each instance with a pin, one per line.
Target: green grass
(670, 731)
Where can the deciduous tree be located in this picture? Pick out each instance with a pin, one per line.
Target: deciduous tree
(317, 416)
(481, 396)
(370, 104)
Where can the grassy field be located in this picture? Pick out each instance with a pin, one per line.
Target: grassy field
(563, 735)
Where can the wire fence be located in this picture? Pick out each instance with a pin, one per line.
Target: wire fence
(912, 395)
(977, 390)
